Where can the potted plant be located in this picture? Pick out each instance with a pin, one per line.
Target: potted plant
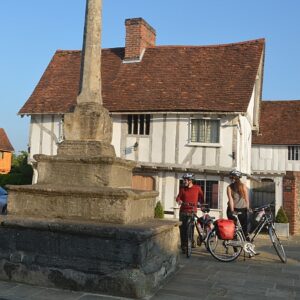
(282, 223)
(159, 211)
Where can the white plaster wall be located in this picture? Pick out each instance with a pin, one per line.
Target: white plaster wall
(143, 149)
(272, 159)
(250, 109)
(170, 142)
(244, 145)
(116, 136)
(34, 139)
(129, 150)
(197, 156)
(47, 138)
(44, 134)
(159, 184)
(164, 148)
(278, 193)
(226, 139)
(157, 135)
(164, 145)
(210, 156)
(169, 191)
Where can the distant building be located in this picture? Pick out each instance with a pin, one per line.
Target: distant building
(6, 150)
(175, 109)
(276, 158)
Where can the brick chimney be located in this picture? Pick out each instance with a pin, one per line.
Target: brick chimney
(139, 35)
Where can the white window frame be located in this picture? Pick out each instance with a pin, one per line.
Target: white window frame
(190, 143)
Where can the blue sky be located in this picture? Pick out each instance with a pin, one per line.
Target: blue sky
(32, 30)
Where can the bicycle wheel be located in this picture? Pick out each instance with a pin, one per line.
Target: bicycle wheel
(224, 250)
(189, 242)
(277, 244)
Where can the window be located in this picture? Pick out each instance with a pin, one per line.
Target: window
(210, 190)
(293, 152)
(1, 155)
(205, 131)
(138, 124)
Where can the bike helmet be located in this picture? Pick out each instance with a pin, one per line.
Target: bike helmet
(235, 173)
(188, 176)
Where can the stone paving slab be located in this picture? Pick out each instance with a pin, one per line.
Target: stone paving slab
(263, 277)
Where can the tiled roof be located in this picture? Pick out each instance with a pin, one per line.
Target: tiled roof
(5, 144)
(279, 123)
(169, 78)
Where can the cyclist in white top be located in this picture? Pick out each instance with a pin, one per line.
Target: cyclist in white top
(238, 200)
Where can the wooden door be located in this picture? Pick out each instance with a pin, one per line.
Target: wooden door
(262, 193)
(141, 182)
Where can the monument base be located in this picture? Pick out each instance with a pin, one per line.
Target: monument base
(102, 204)
(121, 260)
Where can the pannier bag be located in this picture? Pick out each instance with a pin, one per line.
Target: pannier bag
(225, 229)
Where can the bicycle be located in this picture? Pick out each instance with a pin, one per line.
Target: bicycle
(203, 226)
(230, 250)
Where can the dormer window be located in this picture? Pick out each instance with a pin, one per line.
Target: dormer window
(205, 131)
(138, 124)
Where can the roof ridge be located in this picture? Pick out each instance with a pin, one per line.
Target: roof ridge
(281, 101)
(64, 51)
(260, 40)
(79, 51)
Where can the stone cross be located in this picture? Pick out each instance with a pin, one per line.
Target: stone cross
(89, 127)
(90, 82)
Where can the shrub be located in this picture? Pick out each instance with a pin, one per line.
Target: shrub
(281, 216)
(159, 211)
(21, 172)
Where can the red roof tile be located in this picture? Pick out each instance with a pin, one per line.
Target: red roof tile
(5, 144)
(169, 78)
(279, 123)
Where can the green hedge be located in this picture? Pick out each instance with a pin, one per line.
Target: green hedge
(21, 172)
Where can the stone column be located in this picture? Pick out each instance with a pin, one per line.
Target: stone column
(90, 82)
(88, 130)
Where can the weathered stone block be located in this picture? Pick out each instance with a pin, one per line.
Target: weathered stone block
(89, 121)
(85, 171)
(122, 260)
(105, 204)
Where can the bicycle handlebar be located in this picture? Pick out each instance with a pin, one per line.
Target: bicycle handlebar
(262, 207)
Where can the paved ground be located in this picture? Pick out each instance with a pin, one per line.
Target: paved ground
(202, 277)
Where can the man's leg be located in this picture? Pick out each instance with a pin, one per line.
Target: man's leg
(183, 229)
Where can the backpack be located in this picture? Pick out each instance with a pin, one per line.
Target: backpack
(225, 229)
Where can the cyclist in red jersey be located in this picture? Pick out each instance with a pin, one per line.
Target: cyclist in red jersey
(188, 198)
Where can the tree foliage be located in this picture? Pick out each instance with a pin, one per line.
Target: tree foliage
(21, 172)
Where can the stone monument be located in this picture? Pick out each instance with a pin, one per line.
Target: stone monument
(82, 227)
